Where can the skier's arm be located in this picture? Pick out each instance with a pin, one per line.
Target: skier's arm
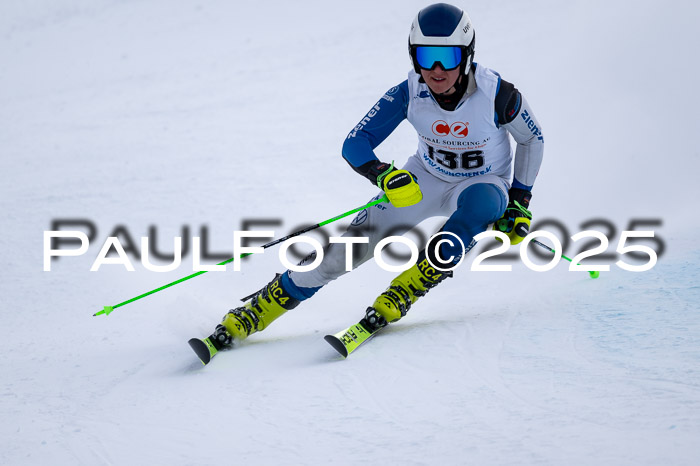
(381, 120)
(514, 113)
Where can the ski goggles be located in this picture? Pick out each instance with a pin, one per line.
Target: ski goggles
(428, 57)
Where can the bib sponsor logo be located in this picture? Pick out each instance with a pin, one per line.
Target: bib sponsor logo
(458, 129)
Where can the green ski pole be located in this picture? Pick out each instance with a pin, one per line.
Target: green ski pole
(109, 309)
(523, 231)
(592, 273)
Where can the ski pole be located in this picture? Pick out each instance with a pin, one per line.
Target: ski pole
(109, 309)
(592, 273)
(523, 231)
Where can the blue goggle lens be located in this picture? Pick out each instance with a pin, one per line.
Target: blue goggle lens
(448, 57)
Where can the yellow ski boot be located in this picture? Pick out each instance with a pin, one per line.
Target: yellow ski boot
(257, 314)
(405, 290)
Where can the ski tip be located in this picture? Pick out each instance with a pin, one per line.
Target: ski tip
(337, 345)
(201, 349)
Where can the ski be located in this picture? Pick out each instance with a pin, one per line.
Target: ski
(204, 349)
(348, 340)
(344, 342)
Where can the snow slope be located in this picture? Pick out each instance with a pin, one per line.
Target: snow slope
(208, 113)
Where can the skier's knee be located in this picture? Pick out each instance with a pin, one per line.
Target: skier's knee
(481, 204)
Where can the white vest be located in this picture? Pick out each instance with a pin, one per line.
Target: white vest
(463, 143)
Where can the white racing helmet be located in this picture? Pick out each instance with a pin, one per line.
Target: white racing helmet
(441, 34)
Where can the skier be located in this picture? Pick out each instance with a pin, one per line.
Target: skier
(463, 113)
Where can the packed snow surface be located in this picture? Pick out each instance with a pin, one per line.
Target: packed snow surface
(190, 115)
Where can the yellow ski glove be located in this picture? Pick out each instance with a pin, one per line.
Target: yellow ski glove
(515, 221)
(401, 187)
